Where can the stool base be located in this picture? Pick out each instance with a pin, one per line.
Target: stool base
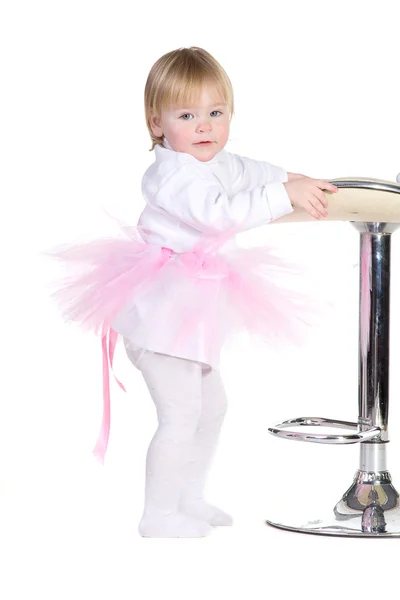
(369, 508)
(331, 527)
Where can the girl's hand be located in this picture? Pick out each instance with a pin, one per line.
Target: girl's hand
(306, 193)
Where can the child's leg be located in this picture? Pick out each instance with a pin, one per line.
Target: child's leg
(202, 450)
(175, 387)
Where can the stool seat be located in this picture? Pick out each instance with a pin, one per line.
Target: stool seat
(358, 199)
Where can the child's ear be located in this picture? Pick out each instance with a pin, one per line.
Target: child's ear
(155, 124)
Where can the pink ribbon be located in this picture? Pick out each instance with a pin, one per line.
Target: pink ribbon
(100, 448)
(205, 266)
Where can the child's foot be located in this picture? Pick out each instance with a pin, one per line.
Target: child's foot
(200, 509)
(154, 524)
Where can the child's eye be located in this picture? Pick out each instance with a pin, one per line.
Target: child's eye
(190, 115)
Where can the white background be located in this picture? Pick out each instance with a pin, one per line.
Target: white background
(316, 91)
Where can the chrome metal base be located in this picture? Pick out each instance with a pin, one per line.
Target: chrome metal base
(369, 508)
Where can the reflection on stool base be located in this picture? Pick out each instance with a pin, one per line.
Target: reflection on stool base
(369, 508)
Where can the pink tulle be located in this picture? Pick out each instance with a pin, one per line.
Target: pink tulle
(244, 289)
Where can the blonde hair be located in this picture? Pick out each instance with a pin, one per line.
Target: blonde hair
(178, 78)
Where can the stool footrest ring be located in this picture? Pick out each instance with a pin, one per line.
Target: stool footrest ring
(360, 436)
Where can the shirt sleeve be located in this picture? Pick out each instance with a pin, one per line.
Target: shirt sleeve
(247, 173)
(201, 202)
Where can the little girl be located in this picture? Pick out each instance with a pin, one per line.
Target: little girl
(179, 286)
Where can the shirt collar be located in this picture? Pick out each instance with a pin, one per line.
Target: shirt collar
(166, 144)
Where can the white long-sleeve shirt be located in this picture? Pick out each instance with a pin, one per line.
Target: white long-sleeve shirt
(187, 199)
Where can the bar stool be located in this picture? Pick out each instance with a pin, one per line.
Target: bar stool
(371, 505)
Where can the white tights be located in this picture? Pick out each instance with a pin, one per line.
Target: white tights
(191, 404)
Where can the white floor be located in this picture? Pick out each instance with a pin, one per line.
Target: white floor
(74, 536)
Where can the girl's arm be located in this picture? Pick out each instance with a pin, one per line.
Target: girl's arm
(200, 201)
(248, 173)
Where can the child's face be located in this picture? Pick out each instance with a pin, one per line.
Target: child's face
(185, 126)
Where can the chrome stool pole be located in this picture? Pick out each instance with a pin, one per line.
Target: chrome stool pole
(370, 507)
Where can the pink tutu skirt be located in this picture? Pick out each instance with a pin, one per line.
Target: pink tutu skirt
(208, 294)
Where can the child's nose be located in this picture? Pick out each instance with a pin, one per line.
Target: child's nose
(205, 125)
